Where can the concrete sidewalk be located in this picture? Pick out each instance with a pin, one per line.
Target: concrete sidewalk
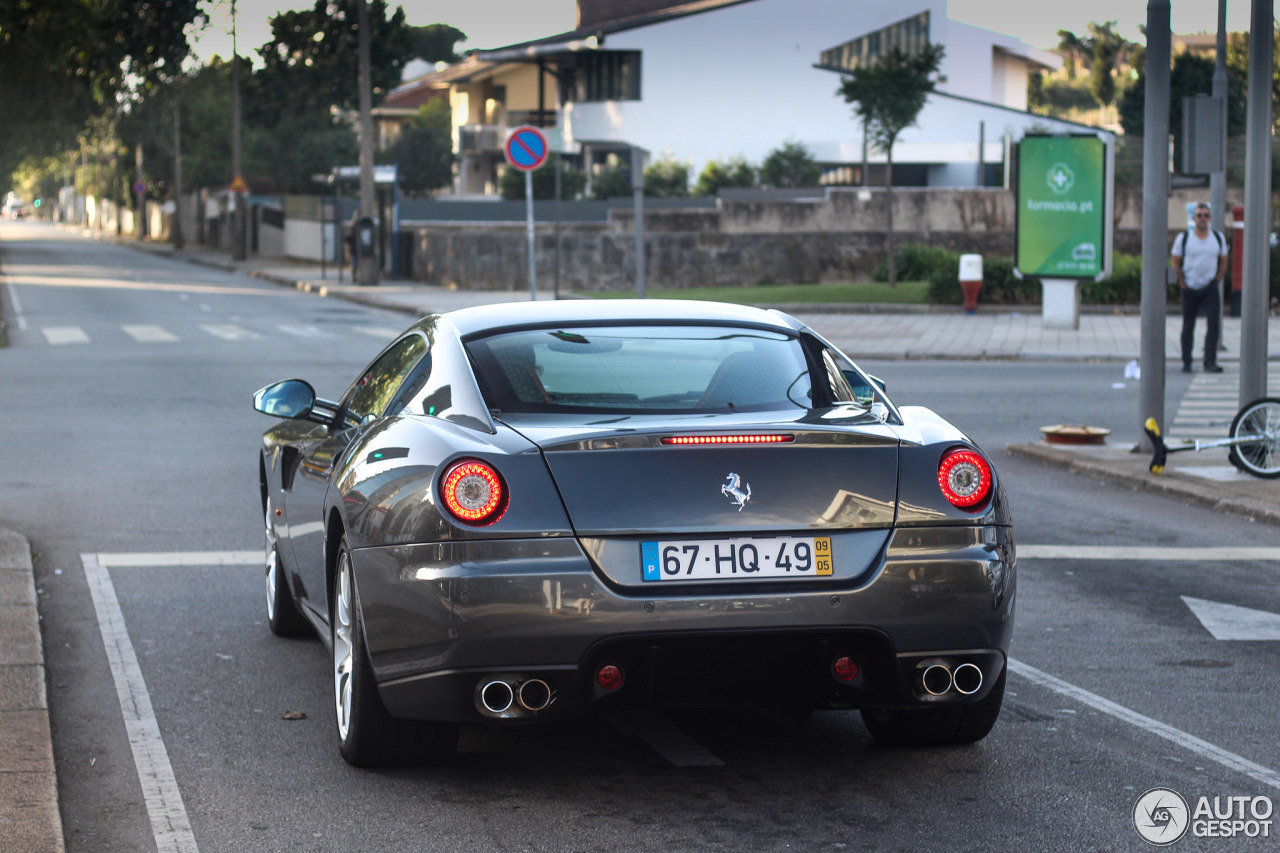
(863, 331)
(29, 819)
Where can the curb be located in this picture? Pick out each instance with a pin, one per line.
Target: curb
(29, 818)
(1133, 474)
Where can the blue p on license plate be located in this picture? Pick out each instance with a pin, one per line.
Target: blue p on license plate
(753, 558)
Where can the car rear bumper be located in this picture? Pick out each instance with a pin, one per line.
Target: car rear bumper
(445, 621)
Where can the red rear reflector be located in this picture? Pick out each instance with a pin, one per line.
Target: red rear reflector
(473, 492)
(965, 478)
(609, 677)
(727, 439)
(845, 668)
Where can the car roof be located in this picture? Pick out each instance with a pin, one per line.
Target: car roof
(510, 315)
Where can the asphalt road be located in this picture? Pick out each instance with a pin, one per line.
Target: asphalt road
(126, 430)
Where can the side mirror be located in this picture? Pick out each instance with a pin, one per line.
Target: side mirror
(292, 398)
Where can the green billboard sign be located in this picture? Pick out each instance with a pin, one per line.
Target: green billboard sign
(1064, 206)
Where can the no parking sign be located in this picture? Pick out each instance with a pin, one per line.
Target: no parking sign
(526, 148)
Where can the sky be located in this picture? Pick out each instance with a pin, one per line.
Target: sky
(495, 23)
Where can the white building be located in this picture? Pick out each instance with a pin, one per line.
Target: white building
(717, 79)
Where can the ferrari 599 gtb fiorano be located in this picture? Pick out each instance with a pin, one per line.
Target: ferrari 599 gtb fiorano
(527, 511)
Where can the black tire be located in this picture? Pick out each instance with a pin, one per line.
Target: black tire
(1262, 458)
(368, 736)
(283, 616)
(950, 725)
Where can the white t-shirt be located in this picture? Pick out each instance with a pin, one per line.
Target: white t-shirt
(1199, 257)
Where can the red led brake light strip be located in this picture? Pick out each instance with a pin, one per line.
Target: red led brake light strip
(727, 439)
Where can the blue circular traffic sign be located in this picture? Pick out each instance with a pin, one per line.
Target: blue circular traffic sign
(526, 148)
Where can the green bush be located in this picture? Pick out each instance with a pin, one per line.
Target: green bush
(916, 262)
(999, 287)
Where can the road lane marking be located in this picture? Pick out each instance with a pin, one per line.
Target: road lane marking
(169, 823)
(17, 306)
(1216, 554)
(229, 332)
(159, 559)
(150, 334)
(1230, 622)
(63, 335)
(1203, 748)
(378, 331)
(304, 331)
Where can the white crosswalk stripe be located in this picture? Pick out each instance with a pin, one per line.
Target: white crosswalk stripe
(62, 335)
(1209, 406)
(150, 334)
(229, 332)
(383, 332)
(304, 331)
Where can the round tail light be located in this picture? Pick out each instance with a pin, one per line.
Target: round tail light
(609, 677)
(965, 478)
(473, 492)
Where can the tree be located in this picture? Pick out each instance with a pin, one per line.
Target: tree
(1191, 75)
(1073, 49)
(511, 185)
(62, 60)
(667, 178)
(889, 95)
(1108, 47)
(436, 42)
(734, 174)
(310, 64)
(611, 183)
(424, 151)
(1238, 67)
(789, 166)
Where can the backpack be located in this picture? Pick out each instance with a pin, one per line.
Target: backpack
(1217, 235)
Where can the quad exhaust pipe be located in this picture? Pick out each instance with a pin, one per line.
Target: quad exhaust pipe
(515, 697)
(941, 677)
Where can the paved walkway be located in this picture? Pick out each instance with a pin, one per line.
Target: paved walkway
(862, 331)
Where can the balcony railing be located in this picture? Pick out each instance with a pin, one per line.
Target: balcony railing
(475, 138)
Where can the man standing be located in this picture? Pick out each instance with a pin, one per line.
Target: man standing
(1200, 258)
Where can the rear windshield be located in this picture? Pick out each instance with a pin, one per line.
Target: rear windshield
(642, 368)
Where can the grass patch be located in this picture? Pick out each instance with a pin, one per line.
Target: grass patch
(906, 293)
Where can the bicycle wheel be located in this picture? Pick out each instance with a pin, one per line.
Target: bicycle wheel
(1259, 422)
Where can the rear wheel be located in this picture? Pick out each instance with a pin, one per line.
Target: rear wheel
(945, 726)
(1259, 421)
(368, 736)
(283, 616)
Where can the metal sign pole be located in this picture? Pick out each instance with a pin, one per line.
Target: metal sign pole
(528, 213)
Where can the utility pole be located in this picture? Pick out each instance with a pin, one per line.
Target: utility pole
(1155, 217)
(366, 265)
(176, 228)
(1254, 307)
(140, 187)
(1218, 180)
(238, 251)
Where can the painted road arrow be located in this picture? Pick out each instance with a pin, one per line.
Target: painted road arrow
(1229, 622)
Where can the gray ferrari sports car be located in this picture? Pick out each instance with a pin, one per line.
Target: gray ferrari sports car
(526, 511)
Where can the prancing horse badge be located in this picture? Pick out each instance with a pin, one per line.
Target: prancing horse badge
(734, 489)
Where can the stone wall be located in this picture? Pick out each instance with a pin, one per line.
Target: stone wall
(839, 236)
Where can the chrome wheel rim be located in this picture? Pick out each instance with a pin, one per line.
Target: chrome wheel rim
(342, 646)
(273, 567)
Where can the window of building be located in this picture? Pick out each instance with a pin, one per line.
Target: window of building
(606, 76)
(911, 35)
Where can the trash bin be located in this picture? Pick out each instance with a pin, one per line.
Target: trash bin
(970, 281)
(364, 236)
